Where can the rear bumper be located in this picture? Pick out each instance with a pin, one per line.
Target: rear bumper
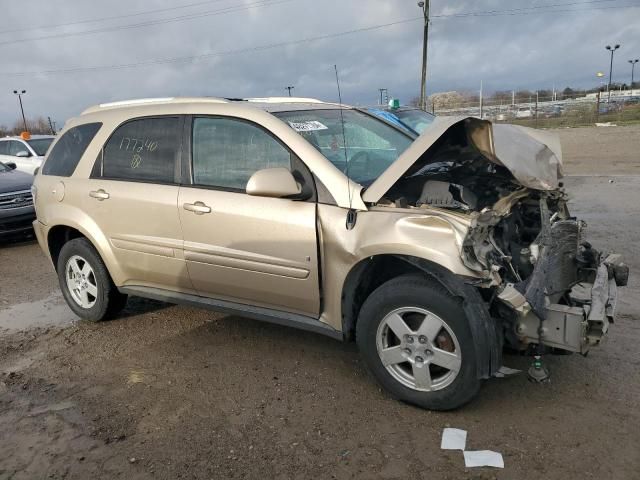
(39, 229)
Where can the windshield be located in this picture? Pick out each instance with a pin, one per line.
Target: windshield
(371, 145)
(40, 145)
(417, 120)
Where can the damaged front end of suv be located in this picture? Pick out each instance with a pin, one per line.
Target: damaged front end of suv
(544, 284)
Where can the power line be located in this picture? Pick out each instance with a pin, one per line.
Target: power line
(191, 16)
(115, 17)
(256, 4)
(523, 9)
(190, 58)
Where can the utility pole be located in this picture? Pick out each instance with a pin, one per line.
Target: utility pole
(19, 94)
(633, 66)
(425, 40)
(53, 130)
(480, 98)
(612, 50)
(289, 89)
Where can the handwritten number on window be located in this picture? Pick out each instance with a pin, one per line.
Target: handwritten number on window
(137, 145)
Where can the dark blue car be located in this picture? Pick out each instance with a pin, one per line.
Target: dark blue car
(16, 203)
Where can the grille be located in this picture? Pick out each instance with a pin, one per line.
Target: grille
(19, 199)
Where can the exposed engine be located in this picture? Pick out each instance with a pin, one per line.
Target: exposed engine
(542, 272)
(546, 286)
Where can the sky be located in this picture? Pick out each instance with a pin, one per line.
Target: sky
(256, 48)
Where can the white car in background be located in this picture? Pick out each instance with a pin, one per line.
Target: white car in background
(525, 112)
(27, 154)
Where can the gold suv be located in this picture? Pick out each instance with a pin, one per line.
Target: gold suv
(432, 253)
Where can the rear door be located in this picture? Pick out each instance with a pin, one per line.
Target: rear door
(250, 250)
(132, 196)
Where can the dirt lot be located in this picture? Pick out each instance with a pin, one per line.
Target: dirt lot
(174, 392)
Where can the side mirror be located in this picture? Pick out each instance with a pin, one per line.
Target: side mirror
(23, 154)
(273, 182)
(11, 165)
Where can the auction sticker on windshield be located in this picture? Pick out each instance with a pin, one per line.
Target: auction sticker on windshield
(309, 126)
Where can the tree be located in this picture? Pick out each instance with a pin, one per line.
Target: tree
(37, 126)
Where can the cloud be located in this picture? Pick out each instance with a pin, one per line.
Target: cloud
(506, 52)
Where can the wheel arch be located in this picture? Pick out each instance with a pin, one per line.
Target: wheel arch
(370, 273)
(58, 235)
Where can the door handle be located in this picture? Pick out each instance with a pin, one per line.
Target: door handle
(199, 208)
(99, 194)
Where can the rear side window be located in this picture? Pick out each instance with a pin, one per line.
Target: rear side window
(143, 150)
(66, 153)
(4, 148)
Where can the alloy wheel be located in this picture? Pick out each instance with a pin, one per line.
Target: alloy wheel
(418, 349)
(81, 281)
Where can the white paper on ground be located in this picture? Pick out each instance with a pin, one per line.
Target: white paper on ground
(483, 458)
(453, 439)
(506, 372)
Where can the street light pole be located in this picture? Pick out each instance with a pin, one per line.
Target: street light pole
(612, 50)
(19, 94)
(633, 66)
(289, 89)
(423, 85)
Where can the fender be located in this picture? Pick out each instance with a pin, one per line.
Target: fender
(83, 223)
(486, 331)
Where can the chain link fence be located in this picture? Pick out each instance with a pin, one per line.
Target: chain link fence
(549, 112)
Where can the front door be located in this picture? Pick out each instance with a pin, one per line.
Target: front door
(241, 248)
(132, 196)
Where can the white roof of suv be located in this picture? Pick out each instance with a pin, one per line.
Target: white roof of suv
(270, 104)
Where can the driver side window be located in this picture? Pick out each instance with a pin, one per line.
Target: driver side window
(227, 152)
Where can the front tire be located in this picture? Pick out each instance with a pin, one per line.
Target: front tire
(85, 282)
(416, 341)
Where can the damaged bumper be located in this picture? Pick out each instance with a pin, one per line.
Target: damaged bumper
(570, 300)
(573, 328)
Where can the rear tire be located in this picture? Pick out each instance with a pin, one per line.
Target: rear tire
(416, 341)
(85, 282)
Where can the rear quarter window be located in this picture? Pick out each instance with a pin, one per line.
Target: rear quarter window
(66, 153)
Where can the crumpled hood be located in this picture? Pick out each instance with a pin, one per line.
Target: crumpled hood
(533, 157)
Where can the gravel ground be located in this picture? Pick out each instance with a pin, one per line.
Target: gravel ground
(601, 150)
(175, 392)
